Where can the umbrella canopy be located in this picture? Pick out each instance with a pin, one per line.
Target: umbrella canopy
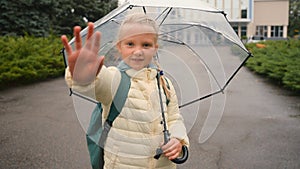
(198, 50)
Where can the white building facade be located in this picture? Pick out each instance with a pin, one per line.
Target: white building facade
(268, 18)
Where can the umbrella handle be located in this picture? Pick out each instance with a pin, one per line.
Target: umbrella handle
(178, 160)
(185, 155)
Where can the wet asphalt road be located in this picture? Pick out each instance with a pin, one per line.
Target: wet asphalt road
(260, 129)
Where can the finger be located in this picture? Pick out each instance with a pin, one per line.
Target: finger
(172, 144)
(89, 43)
(97, 39)
(65, 42)
(174, 156)
(90, 30)
(101, 61)
(78, 42)
(171, 150)
(173, 153)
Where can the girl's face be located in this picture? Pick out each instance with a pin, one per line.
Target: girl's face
(138, 49)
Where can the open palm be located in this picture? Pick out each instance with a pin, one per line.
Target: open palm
(84, 63)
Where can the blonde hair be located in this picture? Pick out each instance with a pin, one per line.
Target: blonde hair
(138, 18)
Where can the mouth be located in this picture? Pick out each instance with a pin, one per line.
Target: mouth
(137, 59)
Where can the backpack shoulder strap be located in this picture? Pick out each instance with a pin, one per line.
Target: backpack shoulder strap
(116, 106)
(120, 98)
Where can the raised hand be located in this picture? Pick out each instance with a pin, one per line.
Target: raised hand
(84, 63)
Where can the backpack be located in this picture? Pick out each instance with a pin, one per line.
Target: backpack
(96, 134)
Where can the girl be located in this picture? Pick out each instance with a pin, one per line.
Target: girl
(137, 131)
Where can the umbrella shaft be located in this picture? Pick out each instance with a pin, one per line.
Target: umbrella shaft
(166, 136)
(166, 132)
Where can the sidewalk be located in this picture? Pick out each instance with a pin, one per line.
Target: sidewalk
(260, 128)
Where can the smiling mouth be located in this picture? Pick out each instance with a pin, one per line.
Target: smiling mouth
(137, 59)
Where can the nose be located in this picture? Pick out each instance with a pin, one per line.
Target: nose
(138, 52)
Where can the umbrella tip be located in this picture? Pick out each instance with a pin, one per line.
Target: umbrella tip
(71, 92)
(224, 13)
(161, 72)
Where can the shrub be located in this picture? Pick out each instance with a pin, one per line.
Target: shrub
(279, 60)
(27, 59)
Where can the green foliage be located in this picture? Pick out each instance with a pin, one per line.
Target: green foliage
(294, 18)
(27, 59)
(44, 17)
(279, 60)
(31, 16)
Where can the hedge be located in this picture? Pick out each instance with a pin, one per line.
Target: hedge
(277, 60)
(24, 60)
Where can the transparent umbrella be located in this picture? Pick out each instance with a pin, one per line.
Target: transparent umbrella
(198, 50)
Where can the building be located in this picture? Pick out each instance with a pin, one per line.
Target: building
(271, 19)
(267, 18)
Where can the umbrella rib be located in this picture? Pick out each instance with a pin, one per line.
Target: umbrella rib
(200, 98)
(170, 9)
(82, 96)
(161, 14)
(180, 43)
(177, 30)
(64, 57)
(235, 72)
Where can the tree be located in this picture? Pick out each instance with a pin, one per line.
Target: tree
(74, 13)
(294, 18)
(41, 17)
(24, 16)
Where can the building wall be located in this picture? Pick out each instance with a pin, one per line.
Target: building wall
(270, 13)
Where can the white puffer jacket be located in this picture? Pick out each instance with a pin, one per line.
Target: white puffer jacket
(137, 132)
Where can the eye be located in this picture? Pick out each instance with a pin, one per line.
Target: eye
(130, 44)
(147, 45)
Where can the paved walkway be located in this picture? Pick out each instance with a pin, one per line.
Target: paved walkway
(260, 128)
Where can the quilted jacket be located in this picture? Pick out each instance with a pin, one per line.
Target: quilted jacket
(137, 132)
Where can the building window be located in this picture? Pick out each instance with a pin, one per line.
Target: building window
(244, 13)
(276, 31)
(262, 31)
(243, 31)
(220, 4)
(236, 29)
